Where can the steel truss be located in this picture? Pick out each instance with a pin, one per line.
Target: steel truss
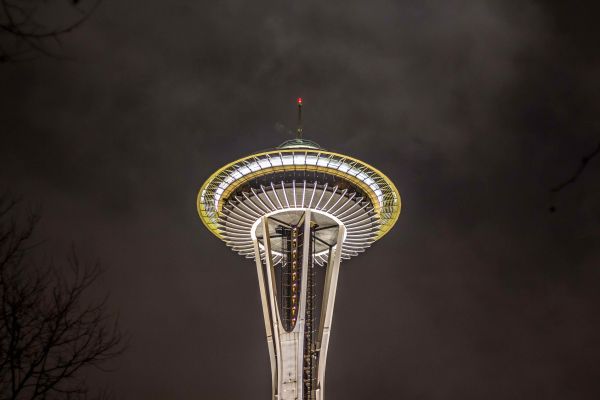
(297, 347)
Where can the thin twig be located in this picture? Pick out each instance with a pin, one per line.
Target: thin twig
(584, 162)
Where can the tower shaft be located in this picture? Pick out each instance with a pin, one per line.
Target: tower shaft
(297, 342)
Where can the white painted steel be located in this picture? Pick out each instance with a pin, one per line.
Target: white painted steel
(331, 279)
(286, 349)
(242, 212)
(275, 319)
(268, 316)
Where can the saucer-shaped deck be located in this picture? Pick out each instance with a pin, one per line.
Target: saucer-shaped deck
(295, 178)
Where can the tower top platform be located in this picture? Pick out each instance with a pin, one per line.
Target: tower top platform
(290, 171)
(299, 143)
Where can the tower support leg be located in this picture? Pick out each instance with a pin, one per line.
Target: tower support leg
(331, 279)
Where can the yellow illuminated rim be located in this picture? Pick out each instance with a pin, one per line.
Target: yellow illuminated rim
(388, 211)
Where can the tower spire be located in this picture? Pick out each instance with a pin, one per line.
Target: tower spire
(299, 129)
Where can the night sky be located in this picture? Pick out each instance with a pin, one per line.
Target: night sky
(475, 109)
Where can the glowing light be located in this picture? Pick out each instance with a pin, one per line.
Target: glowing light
(299, 160)
(300, 100)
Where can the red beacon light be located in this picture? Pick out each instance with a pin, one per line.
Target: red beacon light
(300, 100)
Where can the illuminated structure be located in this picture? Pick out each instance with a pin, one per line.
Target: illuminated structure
(298, 210)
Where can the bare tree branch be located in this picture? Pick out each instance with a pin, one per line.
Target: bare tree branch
(50, 330)
(584, 162)
(23, 32)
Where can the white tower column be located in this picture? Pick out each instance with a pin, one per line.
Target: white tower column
(286, 348)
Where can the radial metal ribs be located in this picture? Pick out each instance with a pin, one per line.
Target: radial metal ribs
(242, 210)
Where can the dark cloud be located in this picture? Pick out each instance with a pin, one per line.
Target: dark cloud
(474, 108)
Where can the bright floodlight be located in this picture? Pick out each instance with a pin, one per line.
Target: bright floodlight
(298, 210)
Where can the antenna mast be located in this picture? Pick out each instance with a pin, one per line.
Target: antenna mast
(299, 129)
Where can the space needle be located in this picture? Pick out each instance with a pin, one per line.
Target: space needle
(298, 210)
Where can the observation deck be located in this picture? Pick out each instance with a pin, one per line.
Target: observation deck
(299, 174)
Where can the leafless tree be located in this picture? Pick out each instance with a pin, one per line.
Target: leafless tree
(50, 329)
(31, 27)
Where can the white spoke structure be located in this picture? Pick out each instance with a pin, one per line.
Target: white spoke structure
(350, 210)
(298, 211)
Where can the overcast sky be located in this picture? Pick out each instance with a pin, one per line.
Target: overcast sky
(475, 109)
